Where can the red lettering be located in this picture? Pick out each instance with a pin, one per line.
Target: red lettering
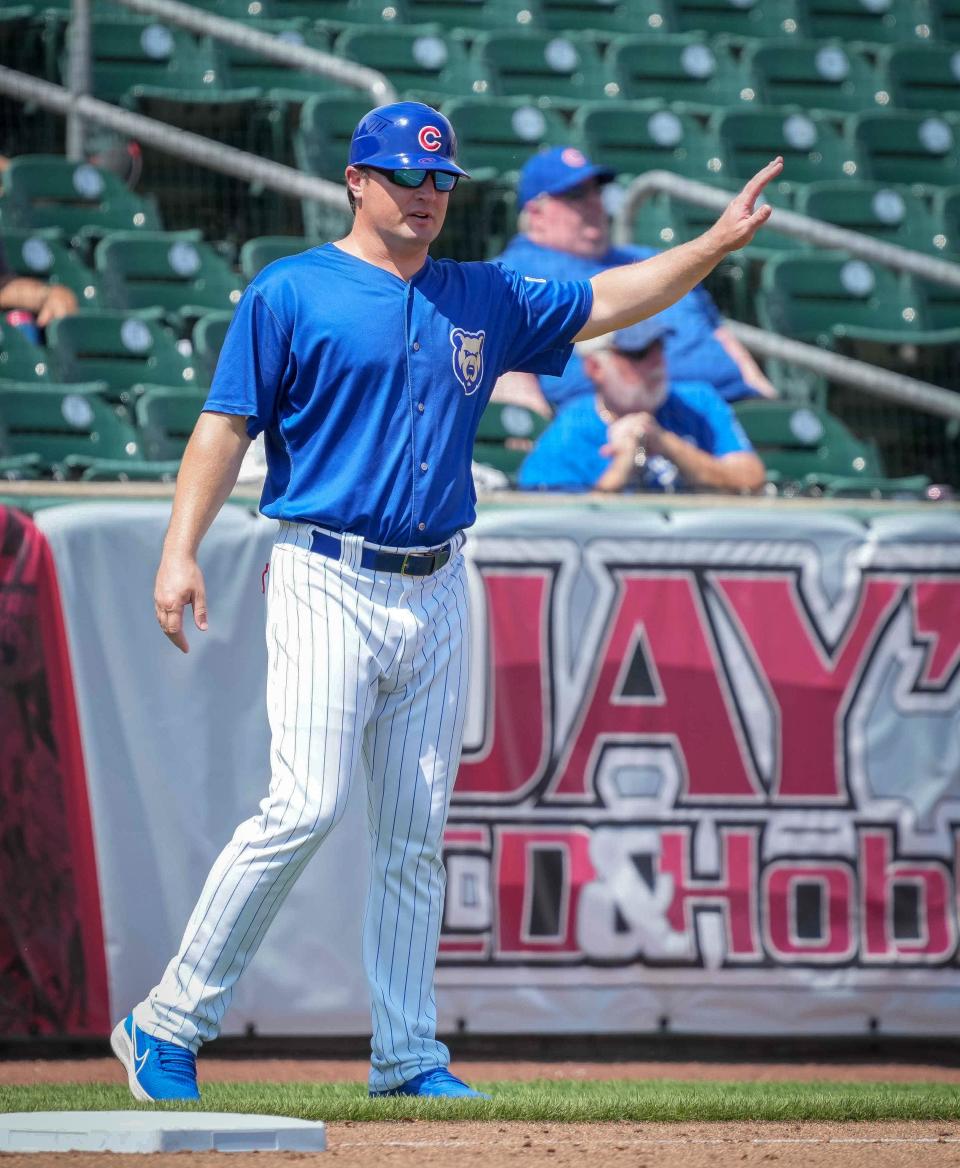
(515, 750)
(937, 618)
(691, 711)
(828, 889)
(906, 905)
(809, 687)
(733, 891)
(539, 877)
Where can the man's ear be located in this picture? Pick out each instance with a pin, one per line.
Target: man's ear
(355, 179)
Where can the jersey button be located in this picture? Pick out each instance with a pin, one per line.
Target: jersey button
(420, 407)
(416, 346)
(421, 527)
(424, 466)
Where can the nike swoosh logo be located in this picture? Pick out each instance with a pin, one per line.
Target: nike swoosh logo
(138, 1059)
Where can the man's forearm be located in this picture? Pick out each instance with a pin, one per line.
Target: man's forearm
(700, 469)
(624, 295)
(207, 474)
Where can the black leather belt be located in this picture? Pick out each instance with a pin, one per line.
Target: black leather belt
(404, 563)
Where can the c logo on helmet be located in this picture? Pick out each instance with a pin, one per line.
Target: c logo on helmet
(430, 138)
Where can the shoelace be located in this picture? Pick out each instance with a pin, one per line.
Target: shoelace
(176, 1060)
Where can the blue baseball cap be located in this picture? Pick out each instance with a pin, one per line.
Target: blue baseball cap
(555, 171)
(405, 135)
(635, 338)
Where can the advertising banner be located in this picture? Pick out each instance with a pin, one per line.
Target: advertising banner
(710, 782)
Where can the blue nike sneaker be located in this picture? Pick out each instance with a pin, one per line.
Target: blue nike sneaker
(156, 1069)
(437, 1083)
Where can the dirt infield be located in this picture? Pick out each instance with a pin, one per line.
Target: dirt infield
(421, 1144)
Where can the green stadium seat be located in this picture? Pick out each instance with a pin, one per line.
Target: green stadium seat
(47, 191)
(67, 426)
(804, 443)
(176, 272)
(939, 308)
(924, 76)
(473, 14)
(321, 143)
(501, 133)
(633, 137)
(894, 214)
(322, 139)
(420, 59)
(257, 253)
(20, 360)
(605, 18)
(946, 19)
(505, 436)
(133, 52)
(739, 18)
(249, 11)
(856, 486)
(823, 75)
(564, 67)
(684, 67)
(341, 11)
(208, 337)
(166, 418)
(875, 21)
(119, 349)
(246, 69)
(21, 45)
(44, 255)
(906, 147)
(811, 144)
(946, 212)
(859, 309)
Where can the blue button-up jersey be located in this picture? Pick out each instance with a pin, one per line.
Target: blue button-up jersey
(369, 388)
(693, 352)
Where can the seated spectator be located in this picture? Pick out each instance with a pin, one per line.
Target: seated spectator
(637, 431)
(30, 303)
(565, 235)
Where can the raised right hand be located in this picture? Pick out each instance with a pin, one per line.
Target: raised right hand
(179, 583)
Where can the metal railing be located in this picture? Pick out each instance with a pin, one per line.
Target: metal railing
(171, 140)
(348, 73)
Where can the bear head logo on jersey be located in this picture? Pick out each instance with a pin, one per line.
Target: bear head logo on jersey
(467, 358)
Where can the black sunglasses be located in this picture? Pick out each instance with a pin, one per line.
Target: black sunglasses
(411, 179)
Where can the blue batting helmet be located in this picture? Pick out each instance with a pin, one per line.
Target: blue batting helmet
(405, 135)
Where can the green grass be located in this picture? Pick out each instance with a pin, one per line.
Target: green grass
(542, 1100)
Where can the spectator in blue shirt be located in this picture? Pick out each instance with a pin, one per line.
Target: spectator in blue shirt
(565, 235)
(639, 431)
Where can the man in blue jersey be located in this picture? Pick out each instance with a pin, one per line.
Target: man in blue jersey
(366, 365)
(565, 235)
(638, 431)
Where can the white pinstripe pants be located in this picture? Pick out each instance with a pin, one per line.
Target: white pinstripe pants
(367, 673)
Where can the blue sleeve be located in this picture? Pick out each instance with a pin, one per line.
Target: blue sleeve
(698, 302)
(252, 366)
(723, 432)
(562, 460)
(545, 316)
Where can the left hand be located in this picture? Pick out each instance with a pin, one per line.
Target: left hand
(59, 301)
(742, 219)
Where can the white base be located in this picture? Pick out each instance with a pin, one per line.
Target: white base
(157, 1131)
